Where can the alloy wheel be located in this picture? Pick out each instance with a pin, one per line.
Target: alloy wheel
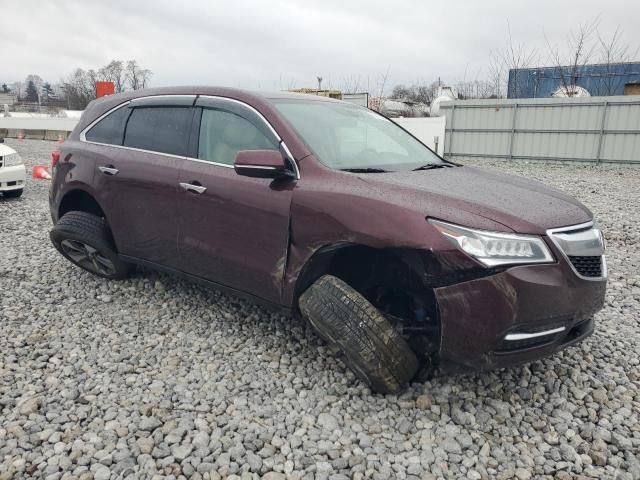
(88, 257)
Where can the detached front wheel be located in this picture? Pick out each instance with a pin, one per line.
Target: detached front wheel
(85, 240)
(371, 347)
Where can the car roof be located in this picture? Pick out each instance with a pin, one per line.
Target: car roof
(215, 91)
(102, 105)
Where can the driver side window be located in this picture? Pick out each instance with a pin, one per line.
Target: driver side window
(223, 134)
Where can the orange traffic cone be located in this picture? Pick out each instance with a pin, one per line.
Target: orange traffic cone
(60, 139)
(20, 136)
(40, 172)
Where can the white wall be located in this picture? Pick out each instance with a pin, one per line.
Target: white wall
(426, 129)
(38, 123)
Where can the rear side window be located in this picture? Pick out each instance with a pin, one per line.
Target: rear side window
(223, 134)
(110, 129)
(159, 129)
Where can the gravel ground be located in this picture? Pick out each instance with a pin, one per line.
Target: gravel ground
(156, 376)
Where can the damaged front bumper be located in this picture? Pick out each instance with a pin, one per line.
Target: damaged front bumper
(515, 316)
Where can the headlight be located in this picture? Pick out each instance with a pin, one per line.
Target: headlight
(12, 160)
(494, 248)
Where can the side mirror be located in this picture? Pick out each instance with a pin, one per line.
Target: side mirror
(261, 164)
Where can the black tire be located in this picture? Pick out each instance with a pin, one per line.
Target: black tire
(13, 193)
(85, 240)
(372, 348)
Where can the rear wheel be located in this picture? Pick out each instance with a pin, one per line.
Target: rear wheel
(85, 240)
(13, 193)
(371, 347)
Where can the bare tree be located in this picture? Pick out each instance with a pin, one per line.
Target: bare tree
(93, 78)
(497, 76)
(351, 85)
(420, 92)
(18, 89)
(145, 74)
(79, 89)
(401, 92)
(613, 51)
(135, 76)
(36, 79)
(114, 72)
(580, 47)
(376, 102)
(475, 89)
(509, 62)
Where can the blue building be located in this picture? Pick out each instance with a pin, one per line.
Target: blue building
(597, 79)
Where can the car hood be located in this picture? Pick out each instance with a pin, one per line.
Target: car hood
(6, 150)
(519, 204)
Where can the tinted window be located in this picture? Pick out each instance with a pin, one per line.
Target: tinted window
(159, 129)
(223, 134)
(110, 129)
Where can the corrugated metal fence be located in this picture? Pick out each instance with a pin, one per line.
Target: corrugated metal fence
(591, 129)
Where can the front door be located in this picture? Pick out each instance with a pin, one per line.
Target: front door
(233, 230)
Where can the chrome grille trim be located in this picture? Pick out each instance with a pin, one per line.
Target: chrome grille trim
(580, 241)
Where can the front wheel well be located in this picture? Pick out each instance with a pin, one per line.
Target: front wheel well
(79, 200)
(392, 279)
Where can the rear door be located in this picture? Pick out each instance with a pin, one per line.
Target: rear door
(233, 229)
(137, 183)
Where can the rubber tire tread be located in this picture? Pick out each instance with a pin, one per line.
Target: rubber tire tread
(372, 348)
(92, 230)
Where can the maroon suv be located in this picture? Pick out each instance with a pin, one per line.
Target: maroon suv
(404, 262)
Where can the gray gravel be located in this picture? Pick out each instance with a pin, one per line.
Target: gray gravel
(157, 377)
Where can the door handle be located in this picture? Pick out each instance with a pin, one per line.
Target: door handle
(108, 170)
(193, 188)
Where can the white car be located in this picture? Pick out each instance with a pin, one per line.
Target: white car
(13, 174)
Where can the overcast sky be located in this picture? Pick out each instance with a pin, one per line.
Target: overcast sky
(265, 44)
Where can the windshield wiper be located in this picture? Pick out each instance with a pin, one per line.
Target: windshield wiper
(433, 166)
(364, 170)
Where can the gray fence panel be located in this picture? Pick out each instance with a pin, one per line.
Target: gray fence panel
(592, 129)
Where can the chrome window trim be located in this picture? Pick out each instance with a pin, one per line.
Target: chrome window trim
(83, 137)
(581, 226)
(513, 337)
(83, 133)
(293, 160)
(249, 107)
(181, 157)
(260, 167)
(209, 162)
(169, 95)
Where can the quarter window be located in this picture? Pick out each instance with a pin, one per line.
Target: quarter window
(223, 134)
(159, 129)
(110, 129)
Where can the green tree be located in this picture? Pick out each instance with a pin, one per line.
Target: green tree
(5, 89)
(32, 92)
(47, 91)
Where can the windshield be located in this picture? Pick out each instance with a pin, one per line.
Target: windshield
(349, 137)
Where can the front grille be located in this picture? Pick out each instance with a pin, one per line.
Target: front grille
(583, 246)
(590, 266)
